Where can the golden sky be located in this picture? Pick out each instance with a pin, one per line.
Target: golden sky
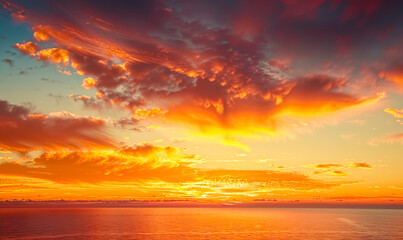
(202, 100)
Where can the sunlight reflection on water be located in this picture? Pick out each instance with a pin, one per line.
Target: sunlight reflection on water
(200, 223)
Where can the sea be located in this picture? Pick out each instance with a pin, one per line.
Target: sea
(175, 223)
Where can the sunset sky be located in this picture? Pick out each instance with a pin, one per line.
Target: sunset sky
(211, 101)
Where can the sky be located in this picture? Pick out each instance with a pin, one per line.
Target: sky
(212, 101)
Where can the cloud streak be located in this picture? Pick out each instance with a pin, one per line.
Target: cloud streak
(394, 112)
(331, 169)
(159, 168)
(24, 131)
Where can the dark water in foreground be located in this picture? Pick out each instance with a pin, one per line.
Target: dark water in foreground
(200, 223)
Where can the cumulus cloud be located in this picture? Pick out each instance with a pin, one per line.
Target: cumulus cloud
(41, 34)
(27, 48)
(216, 75)
(54, 55)
(88, 83)
(23, 131)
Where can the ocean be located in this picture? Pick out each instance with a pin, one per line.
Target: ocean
(200, 223)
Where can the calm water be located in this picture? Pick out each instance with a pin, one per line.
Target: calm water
(200, 223)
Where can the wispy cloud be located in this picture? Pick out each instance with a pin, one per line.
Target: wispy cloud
(23, 131)
(164, 166)
(394, 112)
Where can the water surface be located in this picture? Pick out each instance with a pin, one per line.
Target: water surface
(200, 223)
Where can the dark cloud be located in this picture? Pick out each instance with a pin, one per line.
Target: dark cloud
(9, 62)
(394, 73)
(58, 98)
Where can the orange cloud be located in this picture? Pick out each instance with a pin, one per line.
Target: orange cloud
(328, 165)
(54, 55)
(215, 110)
(328, 168)
(361, 165)
(22, 131)
(269, 179)
(394, 74)
(337, 173)
(41, 33)
(27, 48)
(140, 114)
(159, 170)
(88, 83)
(394, 112)
(138, 163)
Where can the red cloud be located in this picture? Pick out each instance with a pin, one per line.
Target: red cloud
(22, 131)
(360, 8)
(394, 74)
(280, 66)
(216, 76)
